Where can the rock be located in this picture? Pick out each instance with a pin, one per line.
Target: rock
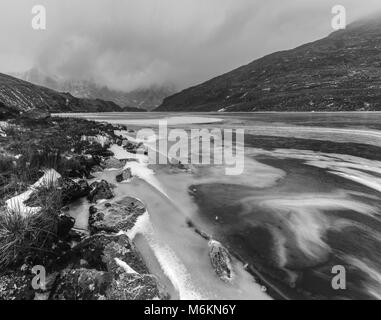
(100, 267)
(134, 287)
(115, 217)
(16, 286)
(112, 163)
(90, 284)
(96, 168)
(82, 284)
(100, 190)
(72, 190)
(89, 163)
(75, 167)
(100, 251)
(97, 150)
(76, 235)
(115, 271)
(130, 160)
(124, 176)
(84, 188)
(65, 224)
(221, 260)
(134, 147)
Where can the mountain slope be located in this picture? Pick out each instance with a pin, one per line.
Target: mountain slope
(146, 99)
(339, 73)
(19, 96)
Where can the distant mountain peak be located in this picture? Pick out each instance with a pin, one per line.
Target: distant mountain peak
(146, 99)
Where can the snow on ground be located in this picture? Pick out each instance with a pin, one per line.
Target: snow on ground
(16, 204)
(101, 139)
(138, 168)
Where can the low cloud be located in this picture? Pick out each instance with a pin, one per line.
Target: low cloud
(129, 44)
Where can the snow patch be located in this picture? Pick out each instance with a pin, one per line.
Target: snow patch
(16, 204)
(138, 168)
(125, 266)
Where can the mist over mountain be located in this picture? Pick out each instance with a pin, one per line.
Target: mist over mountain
(18, 96)
(145, 99)
(341, 72)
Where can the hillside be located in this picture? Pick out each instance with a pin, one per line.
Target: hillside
(338, 73)
(144, 99)
(19, 96)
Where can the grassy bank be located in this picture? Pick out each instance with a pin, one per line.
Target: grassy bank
(27, 149)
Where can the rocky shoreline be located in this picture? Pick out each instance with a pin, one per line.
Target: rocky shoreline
(104, 265)
(102, 262)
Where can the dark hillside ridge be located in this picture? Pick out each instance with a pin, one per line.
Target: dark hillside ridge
(341, 72)
(18, 96)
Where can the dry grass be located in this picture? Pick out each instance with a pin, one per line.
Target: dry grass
(42, 145)
(27, 234)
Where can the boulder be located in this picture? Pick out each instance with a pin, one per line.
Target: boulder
(130, 286)
(100, 190)
(115, 217)
(96, 168)
(77, 235)
(82, 284)
(90, 284)
(130, 160)
(65, 224)
(100, 252)
(16, 286)
(97, 150)
(75, 167)
(134, 147)
(106, 267)
(72, 190)
(124, 176)
(84, 188)
(221, 260)
(112, 163)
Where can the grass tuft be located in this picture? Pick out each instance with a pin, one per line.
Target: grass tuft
(30, 235)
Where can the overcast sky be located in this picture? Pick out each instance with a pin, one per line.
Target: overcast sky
(128, 44)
